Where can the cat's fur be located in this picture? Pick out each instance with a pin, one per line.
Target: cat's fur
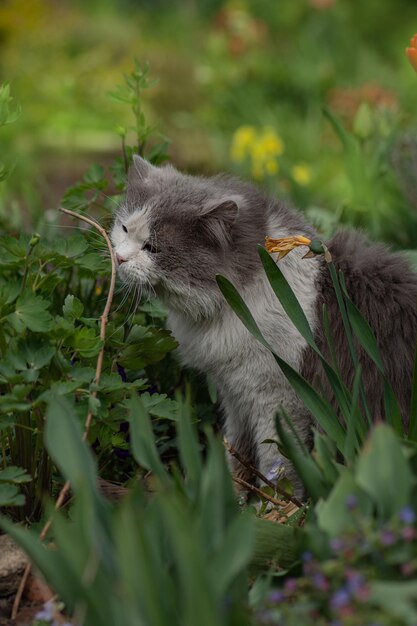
(193, 228)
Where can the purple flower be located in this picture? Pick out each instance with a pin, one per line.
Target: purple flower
(47, 613)
(320, 582)
(336, 544)
(407, 515)
(407, 569)
(387, 538)
(290, 585)
(351, 502)
(275, 596)
(340, 599)
(408, 533)
(307, 557)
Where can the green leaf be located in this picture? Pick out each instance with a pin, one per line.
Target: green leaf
(159, 405)
(189, 447)
(6, 421)
(287, 297)
(64, 441)
(146, 345)
(318, 406)
(305, 466)
(384, 473)
(31, 312)
(275, 544)
(13, 474)
(73, 307)
(86, 342)
(142, 440)
(10, 496)
(412, 428)
(333, 515)
(234, 553)
(396, 599)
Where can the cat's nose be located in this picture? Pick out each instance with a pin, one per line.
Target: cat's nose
(120, 259)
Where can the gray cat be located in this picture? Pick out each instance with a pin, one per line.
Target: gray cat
(175, 232)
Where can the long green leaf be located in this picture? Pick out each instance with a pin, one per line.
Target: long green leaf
(318, 406)
(287, 298)
(412, 428)
(366, 338)
(189, 447)
(304, 464)
(143, 441)
(64, 441)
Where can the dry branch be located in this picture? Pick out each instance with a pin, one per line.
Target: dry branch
(255, 472)
(99, 366)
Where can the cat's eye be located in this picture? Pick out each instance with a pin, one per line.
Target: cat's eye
(124, 228)
(149, 248)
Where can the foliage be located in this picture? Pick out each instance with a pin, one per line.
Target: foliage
(175, 556)
(51, 298)
(359, 543)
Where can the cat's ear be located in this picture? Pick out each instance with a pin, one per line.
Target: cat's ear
(219, 216)
(141, 167)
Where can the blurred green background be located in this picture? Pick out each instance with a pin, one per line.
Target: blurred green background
(243, 87)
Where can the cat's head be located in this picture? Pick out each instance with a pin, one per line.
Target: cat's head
(176, 232)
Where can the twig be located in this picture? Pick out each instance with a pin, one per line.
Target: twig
(261, 493)
(99, 366)
(254, 470)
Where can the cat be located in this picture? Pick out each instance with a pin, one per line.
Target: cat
(175, 232)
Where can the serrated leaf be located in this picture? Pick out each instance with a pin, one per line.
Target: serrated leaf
(73, 307)
(31, 312)
(10, 496)
(13, 474)
(159, 405)
(86, 342)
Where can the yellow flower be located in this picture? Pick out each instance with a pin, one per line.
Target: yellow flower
(301, 173)
(272, 142)
(257, 170)
(242, 141)
(271, 167)
(284, 245)
(412, 52)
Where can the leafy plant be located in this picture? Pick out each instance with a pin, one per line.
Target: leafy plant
(178, 555)
(51, 299)
(355, 414)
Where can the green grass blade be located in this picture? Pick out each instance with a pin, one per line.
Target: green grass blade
(304, 464)
(318, 406)
(143, 441)
(351, 443)
(366, 338)
(189, 447)
(412, 428)
(287, 297)
(291, 306)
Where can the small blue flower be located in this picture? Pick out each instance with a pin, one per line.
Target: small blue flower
(47, 613)
(275, 596)
(407, 515)
(351, 502)
(336, 544)
(340, 599)
(387, 538)
(307, 557)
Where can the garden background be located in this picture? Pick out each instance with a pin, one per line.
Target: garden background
(315, 101)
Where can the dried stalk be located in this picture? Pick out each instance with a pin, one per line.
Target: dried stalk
(261, 493)
(99, 366)
(254, 470)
